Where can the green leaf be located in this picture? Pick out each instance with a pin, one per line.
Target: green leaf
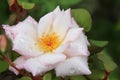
(83, 18)
(115, 75)
(56, 78)
(109, 64)
(68, 3)
(25, 78)
(0, 57)
(25, 5)
(47, 76)
(118, 26)
(95, 63)
(78, 77)
(98, 43)
(3, 66)
(97, 46)
(97, 75)
(12, 18)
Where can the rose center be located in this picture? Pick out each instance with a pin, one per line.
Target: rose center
(49, 42)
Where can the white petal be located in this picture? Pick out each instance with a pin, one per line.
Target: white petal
(62, 23)
(73, 66)
(45, 24)
(73, 34)
(29, 19)
(43, 63)
(18, 63)
(35, 67)
(26, 46)
(9, 32)
(74, 24)
(61, 48)
(51, 59)
(78, 47)
(22, 27)
(57, 10)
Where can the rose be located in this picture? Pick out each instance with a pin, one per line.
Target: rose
(56, 42)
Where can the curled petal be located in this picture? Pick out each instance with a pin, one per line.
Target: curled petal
(18, 63)
(61, 48)
(73, 66)
(73, 34)
(78, 47)
(43, 63)
(27, 27)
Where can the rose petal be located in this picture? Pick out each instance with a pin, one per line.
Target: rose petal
(9, 32)
(43, 63)
(26, 46)
(78, 47)
(45, 24)
(61, 48)
(18, 63)
(57, 10)
(73, 66)
(27, 27)
(35, 67)
(73, 34)
(29, 19)
(51, 59)
(62, 23)
(74, 24)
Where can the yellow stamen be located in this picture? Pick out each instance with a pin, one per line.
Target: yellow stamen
(48, 43)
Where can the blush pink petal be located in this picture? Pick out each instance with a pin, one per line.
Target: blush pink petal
(29, 19)
(57, 10)
(78, 47)
(18, 63)
(73, 34)
(9, 31)
(35, 67)
(26, 46)
(24, 37)
(74, 24)
(73, 66)
(41, 64)
(45, 24)
(62, 23)
(27, 27)
(61, 48)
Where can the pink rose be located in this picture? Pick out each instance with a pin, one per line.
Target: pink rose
(56, 42)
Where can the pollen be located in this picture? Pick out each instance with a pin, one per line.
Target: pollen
(49, 42)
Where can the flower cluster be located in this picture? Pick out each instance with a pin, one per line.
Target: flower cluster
(56, 42)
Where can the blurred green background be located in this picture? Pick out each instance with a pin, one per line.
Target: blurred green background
(105, 19)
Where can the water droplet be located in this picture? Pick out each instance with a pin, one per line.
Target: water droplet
(21, 40)
(30, 49)
(72, 70)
